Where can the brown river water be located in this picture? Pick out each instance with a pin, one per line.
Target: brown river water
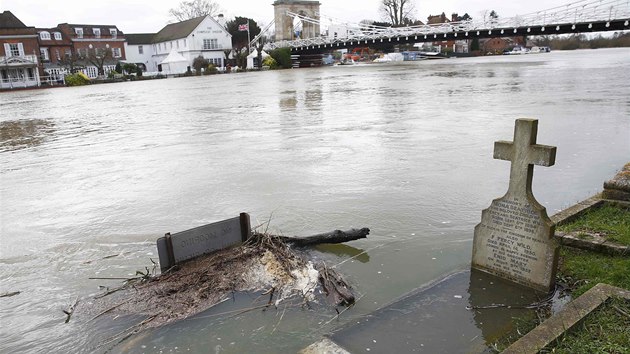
(405, 150)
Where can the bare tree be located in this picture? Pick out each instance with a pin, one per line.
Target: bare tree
(99, 57)
(194, 8)
(398, 12)
(72, 62)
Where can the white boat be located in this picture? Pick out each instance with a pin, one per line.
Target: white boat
(537, 50)
(390, 58)
(518, 50)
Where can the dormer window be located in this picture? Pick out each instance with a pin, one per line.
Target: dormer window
(57, 36)
(44, 35)
(79, 32)
(113, 32)
(97, 32)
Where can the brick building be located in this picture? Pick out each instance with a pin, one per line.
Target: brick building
(100, 46)
(55, 51)
(19, 52)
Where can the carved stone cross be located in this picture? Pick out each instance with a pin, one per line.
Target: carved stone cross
(514, 239)
(524, 154)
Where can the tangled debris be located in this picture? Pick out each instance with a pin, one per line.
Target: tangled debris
(263, 263)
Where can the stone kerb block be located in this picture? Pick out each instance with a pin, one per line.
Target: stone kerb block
(185, 245)
(618, 188)
(515, 237)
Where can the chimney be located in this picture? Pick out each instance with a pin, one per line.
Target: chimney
(221, 20)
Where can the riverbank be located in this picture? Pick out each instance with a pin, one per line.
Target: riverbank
(602, 256)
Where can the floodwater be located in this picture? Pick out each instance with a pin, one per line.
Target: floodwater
(406, 150)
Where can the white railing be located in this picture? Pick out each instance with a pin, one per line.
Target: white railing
(575, 12)
(31, 58)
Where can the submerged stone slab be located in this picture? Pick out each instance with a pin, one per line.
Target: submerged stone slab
(185, 245)
(452, 315)
(515, 237)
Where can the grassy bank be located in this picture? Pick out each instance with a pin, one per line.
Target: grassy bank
(607, 329)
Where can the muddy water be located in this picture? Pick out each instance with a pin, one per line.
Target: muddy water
(92, 172)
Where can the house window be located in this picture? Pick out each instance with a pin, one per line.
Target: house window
(215, 61)
(14, 50)
(57, 36)
(97, 32)
(140, 50)
(113, 32)
(184, 42)
(57, 54)
(43, 54)
(44, 35)
(210, 44)
(68, 53)
(171, 45)
(116, 52)
(79, 32)
(177, 43)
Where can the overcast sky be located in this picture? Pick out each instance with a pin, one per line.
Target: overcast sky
(138, 16)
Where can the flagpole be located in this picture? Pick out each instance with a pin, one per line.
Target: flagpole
(248, 38)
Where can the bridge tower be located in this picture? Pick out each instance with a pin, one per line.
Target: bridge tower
(284, 23)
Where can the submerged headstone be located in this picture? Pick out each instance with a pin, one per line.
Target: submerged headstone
(515, 237)
(185, 245)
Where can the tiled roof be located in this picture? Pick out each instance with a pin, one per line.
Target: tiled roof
(140, 38)
(8, 20)
(178, 30)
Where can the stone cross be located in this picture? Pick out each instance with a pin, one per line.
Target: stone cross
(515, 237)
(524, 154)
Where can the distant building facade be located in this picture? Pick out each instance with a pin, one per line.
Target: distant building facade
(19, 52)
(455, 46)
(54, 49)
(202, 36)
(99, 46)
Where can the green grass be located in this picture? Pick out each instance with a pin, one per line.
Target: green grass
(611, 221)
(605, 330)
(586, 268)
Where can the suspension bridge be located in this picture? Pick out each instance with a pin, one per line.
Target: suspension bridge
(572, 18)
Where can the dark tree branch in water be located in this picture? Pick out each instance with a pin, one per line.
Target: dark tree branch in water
(336, 236)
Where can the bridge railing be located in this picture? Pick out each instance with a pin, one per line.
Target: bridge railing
(572, 13)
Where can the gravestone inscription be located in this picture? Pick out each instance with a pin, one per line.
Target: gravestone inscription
(185, 245)
(515, 237)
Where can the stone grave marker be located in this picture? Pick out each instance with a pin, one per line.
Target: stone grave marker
(515, 237)
(185, 245)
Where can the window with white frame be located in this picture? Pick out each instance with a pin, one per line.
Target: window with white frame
(57, 54)
(44, 35)
(210, 44)
(177, 43)
(184, 42)
(113, 32)
(14, 49)
(97, 32)
(116, 52)
(79, 32)
(44, 54)
(140, 50)
(57, 36)
(215, 61)
(67, 53)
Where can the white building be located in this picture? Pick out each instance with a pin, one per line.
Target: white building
(201, 36)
